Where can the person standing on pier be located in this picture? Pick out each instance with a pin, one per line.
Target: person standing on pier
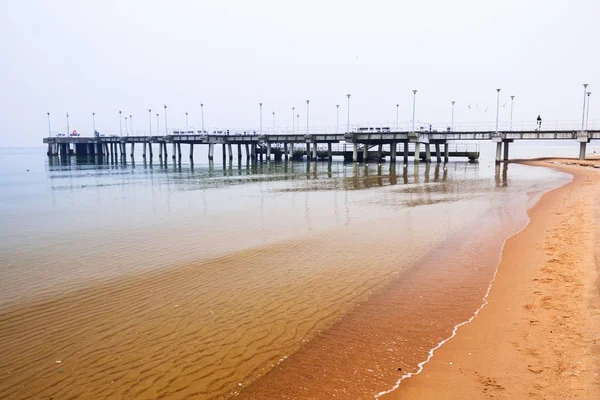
(539, 123)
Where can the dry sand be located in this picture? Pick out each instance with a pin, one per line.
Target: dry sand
(539, 336)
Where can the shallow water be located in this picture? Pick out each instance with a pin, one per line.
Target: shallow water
(192, 281)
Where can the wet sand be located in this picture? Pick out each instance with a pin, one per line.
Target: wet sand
(539, 335)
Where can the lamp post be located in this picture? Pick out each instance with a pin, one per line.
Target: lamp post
(202, 114)
(298, 121)
(397, 117)
(293, 109)
(150, 121)
(587, 116)
(348, 120)
(585, 85)
(126, 127)
(307, 102)
(94, 122)
(166, 127)
(273, 122)
(497, 107)
(67, 124)
(337, 118)
(414, 102)
(157, 130)
(120, 124)
(512, 100)
(452, 123)
(131, 124)
(49, 130)
(186, 123)
(260, 127)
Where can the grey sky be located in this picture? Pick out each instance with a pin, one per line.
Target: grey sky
(105, 56)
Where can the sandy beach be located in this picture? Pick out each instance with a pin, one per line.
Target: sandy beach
(538, 335)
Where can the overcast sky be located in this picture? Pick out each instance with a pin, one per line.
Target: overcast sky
(104, 56)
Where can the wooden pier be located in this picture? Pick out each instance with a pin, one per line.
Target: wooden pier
(354, 146)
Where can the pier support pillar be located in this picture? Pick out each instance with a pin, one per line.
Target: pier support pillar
(365, 153)
(355, 152)
(582, 146)
(150, 149)
(405, 153)
(308, 151)
(179, 151)
(49, 151)
(393, 149)
(96, 149)
(506, 151)
(88, 149)
(446, 152)
(224, 153)
(329, 152)
(314, 152)
(144, 150)
(230, 151)
(160, 150)
(253, 151)
(211, 150)
(380, 152)
(191, 151)
(285, 150)
(498, 152)
(132, 149)
(165, 151)
(427, 153)
(247, 151)
(174, 150)
(292, 151)
(438, 154)
(417, 156)
(239, 152)
(268, 151)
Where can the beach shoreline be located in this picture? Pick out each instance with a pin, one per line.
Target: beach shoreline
(535, 337)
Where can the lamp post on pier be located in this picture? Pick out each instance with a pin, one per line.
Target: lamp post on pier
(298, 121)
(202, 115)
(397, 117)
(186, 123)
(585, 85)
(150, 121)
(94, 123)
(67, 124)
(497, 108)
(126, 127)
(414, 106)
(120, 124)
(131, 124)
(337, 118)
(49, 130)
(260, 127)
(348, 121)
(512, 100)
(452, 123)
(273, 122)
(587, 115)
(157, 127)
(166, 127)
(307, 102)
(293, 112)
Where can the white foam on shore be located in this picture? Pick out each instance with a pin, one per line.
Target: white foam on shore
(485, 298)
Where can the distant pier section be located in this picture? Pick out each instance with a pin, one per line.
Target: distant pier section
(353, 146)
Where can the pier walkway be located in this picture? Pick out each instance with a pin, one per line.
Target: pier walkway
(354, 146)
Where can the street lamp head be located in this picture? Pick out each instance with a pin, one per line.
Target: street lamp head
(67, 115)
(93, 113)
(585, 85)
(414, 91)
(498, 90)
(453, 102)
(337, 106)
(348, 95)
(260, 104)
(157, 114)
(119, 112)
(165, 106)
(201, 104)
(48, 113)
(129, 115)
(149, 110)
(512, 97)
(186, 113)
(588, 93)
(307, 101)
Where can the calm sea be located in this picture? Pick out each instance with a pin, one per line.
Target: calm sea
(264, 257)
